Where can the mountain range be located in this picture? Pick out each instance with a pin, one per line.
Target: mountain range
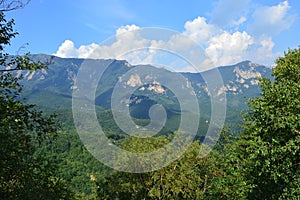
(52, 88)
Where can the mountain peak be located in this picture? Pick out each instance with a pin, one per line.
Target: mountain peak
(245, 63)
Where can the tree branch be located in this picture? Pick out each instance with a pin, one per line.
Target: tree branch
(9, 5)
(10, 70)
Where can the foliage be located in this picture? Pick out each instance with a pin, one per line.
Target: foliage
(189, 177)
(260, 163)
(271, 133)
(227, 166)
(180, 180)
(24, 174)
(74, 163)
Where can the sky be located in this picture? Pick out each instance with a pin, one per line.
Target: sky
(227, 31)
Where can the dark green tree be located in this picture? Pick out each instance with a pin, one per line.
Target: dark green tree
(226, 169)
(271, 135)
(185, 178)
(24, 174)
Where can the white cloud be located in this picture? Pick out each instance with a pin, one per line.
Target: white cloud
(126, 29)
(180, 51)
(67, 50)
(262, 52)
(267, 44)
(126, 40)
(199, 30)
(271, 20)
(222, 46)
(128, 44)
(228, 48)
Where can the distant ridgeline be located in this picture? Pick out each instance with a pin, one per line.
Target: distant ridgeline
(51, 89)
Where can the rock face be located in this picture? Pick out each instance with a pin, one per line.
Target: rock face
(244, 79)
(53, 87)
(134, 80)
(246, 74)
(156, 87)
(238, 80)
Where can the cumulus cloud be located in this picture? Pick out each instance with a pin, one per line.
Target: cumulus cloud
(228, 48)
(199, 30)
(178, 52)
(271, 20)
(126, 29)
(126, 39)
(67, 50)
(219, 46)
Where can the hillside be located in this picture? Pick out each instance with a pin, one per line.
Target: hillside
(52, 88)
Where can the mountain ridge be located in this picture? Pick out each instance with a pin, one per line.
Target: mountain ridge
(60, 77)
(52, 88)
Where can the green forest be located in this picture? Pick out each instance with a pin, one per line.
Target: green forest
(42, 156)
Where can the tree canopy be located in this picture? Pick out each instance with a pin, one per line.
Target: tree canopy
(262, 162)
(271, 132)
(24, 174)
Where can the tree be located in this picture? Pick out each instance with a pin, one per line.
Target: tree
(8, 5)
(271, 137)
(226, 169)
(263, 162)
(187, 177)
(24, 174)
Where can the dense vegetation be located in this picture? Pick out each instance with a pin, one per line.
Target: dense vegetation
(25, 173)
(39, 160)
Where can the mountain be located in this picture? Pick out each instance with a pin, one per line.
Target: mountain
(52, 88)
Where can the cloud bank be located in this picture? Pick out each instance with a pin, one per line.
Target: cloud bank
(226, 39)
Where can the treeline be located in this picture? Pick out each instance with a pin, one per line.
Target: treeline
(39, 160)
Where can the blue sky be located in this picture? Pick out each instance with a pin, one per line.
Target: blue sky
(229, 31)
